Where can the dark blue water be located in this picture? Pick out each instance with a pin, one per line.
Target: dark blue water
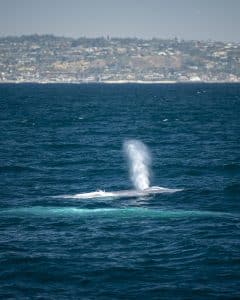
(67, 139)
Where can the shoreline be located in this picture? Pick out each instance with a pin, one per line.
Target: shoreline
(121, 82)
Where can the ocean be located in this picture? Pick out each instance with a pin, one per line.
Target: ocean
(59, 140)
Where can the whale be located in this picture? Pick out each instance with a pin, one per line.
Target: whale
(139, 160)
(122, 194)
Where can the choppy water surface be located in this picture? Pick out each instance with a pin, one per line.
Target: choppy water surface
(67, 139)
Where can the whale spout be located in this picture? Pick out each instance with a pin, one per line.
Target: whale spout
(139, 161)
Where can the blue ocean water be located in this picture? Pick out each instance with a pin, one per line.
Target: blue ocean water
(67, 139)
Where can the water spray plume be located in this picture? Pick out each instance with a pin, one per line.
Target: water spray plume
(139, 161)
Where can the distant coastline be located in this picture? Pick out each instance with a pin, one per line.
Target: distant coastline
(51, 59)
(121, 82)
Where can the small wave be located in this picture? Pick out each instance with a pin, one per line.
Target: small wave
(232, 167)
(16, 168)
(58, 146)
(233, 188)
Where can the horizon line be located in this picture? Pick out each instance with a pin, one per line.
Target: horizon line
(108, 37)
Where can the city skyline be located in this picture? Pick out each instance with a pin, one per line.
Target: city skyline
(190, 20)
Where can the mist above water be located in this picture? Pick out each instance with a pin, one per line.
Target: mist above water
(139, 161)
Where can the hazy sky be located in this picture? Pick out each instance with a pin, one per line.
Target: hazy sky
(187, 19)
